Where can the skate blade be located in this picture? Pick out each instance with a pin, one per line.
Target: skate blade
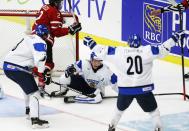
(36, 126)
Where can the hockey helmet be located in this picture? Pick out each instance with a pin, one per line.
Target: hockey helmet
(95, 56)
(41, 30)
(1, 92)
(134, 41)
(57, 3)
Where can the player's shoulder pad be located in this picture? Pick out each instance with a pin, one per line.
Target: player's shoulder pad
(40, 47)
(114, 78)
(46, 7)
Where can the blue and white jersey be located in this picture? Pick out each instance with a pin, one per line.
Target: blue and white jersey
(29, 52)
(100, 79)
(134, 65)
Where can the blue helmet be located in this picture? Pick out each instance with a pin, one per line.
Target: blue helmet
(41, 30)
(134, 41)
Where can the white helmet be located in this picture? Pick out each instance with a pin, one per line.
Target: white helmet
(95, 56)
(1, 92)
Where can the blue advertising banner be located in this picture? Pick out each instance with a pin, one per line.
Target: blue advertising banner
(136, 18)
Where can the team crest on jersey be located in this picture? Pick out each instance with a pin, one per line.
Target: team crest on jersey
(152, 25)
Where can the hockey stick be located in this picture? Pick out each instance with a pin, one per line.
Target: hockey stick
(180, 10)
(71, 10)
(182, 51)
(29, 72)
(185, 95)
(160, 94)
(67, 87)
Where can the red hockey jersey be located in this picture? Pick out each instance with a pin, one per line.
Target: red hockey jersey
(185, 3)
(53, 19)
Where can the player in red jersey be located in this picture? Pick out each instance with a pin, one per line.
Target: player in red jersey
(51, 16)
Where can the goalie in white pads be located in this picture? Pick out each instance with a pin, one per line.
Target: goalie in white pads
(134, 79)
(29, 52)
(89, 76)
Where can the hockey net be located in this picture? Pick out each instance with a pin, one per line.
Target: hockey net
(14, 24)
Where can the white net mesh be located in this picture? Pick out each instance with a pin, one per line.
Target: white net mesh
(15, 23)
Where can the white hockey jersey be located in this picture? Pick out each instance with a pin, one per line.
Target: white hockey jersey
(134, 65)
(29, 52)
(100, 79)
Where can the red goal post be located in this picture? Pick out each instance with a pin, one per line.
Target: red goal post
(15, 23)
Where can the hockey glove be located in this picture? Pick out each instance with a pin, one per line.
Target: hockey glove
(178, 36)
(88, 41)
(44, 78)
(47, 76)
(70, 71)
(76, 27)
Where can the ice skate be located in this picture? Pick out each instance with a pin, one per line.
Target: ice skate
(38, 123)
(111, 128)
(158, 129)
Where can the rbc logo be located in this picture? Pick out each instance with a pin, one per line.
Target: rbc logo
(152, 25)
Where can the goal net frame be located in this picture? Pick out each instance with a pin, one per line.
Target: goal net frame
(33, 14)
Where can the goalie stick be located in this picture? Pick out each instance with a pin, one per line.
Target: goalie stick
(77, 91)
(62, 85)
(71, 99)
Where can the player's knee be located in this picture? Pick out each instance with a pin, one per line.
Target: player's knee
(36, 95)
(63, 80)
(155, 113)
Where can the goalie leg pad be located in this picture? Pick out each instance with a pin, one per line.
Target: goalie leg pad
(88, 100)
(64, 80)
(78, 83)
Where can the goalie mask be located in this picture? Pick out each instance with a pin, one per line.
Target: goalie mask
(96, 61)
(95, 56)
(134, 41)
(57, 3)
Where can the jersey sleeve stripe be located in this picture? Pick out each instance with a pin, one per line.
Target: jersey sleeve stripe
(113, 78)
(40, 47)
(79, 64)
(155, 50)
(111, 50)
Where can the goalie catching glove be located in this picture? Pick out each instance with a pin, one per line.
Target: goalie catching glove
(70, 71)
(76, 27)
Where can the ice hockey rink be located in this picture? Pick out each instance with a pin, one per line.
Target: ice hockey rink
(95, 117)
